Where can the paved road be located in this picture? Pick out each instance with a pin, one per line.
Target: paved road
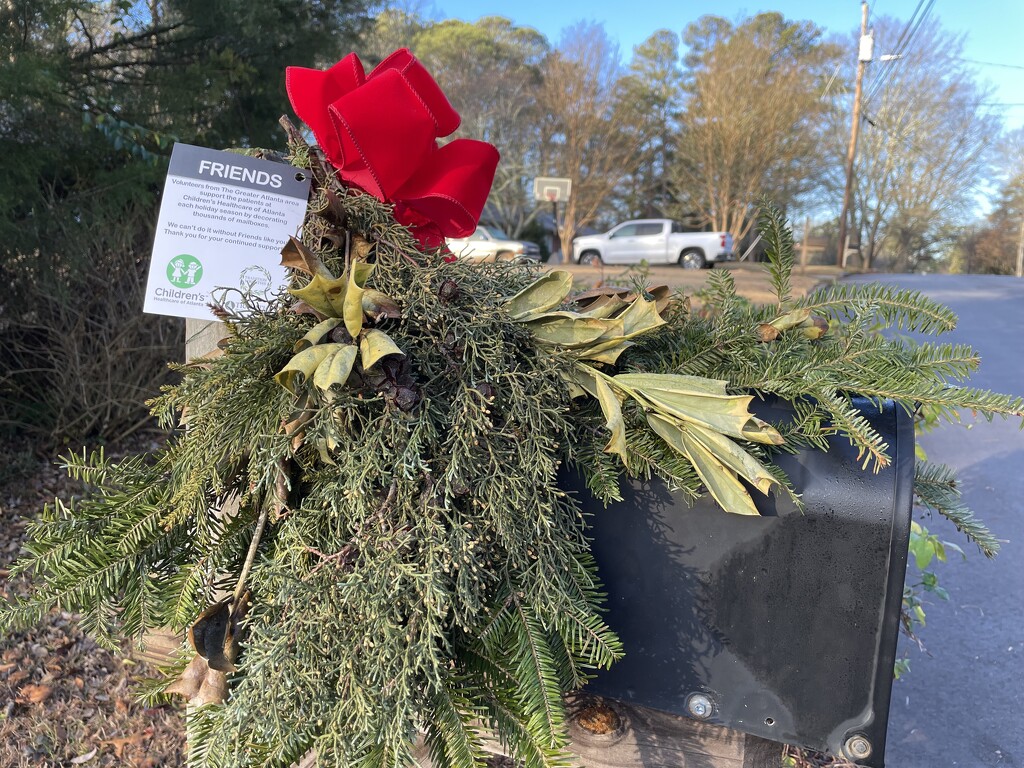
(963, 705)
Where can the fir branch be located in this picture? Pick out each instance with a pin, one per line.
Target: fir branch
(778, 240)
(896, 307)
(937, 488)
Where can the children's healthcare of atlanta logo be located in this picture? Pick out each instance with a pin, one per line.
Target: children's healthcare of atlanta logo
(184, 271)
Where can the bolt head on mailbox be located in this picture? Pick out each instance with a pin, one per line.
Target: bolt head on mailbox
(783, 626)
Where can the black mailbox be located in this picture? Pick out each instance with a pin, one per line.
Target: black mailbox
(783, 626)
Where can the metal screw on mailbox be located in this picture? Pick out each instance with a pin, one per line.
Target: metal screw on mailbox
(699, 705)
(857, 747)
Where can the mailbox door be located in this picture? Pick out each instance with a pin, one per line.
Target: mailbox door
(786, 623)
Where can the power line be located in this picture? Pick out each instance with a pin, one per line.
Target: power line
(991, 63)
(902, 44)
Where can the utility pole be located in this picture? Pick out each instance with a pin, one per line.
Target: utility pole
(863, 57)
(1020, 252)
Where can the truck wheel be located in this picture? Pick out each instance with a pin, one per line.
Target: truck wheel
(503, 256)
(692, 258)
(591, 258)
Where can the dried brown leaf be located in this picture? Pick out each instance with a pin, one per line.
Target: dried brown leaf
(35, 694)
(297, 256)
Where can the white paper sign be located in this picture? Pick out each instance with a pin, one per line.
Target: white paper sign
(224, 218)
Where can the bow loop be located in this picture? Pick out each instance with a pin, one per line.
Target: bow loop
(380, 133)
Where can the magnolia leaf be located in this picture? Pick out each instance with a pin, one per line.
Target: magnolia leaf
(304, 363)
(605, 306)
(335, 209)
(791, 319)
(215, 634)
(378, 305)
(361, 248)
(584, 298)
(733, 456)
(721, 481)
(541, 295)
(375, 345)
(200, 684)
(702, 401)
(673, 382)
(353, 304)
(316, 334)
(325, 295)
(767, 332)
(575, 390)
(814, 327)
(640, 317)
(611, 406)
(567, 329)
(335, 369)
(297, 256)
(662, 297)
(606, 352)
(759, 431)
(302, 308)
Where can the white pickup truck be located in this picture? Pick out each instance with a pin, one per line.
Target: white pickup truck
(656, 241)
(491, 244)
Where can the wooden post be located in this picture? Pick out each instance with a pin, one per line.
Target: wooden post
(803, 245)
(606, 733)
(201, 336)
(851, 151)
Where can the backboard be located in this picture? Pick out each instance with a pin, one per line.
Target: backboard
(549, 189)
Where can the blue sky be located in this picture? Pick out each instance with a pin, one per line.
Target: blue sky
(994, 29)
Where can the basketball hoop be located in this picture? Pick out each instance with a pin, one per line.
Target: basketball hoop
(551, 190)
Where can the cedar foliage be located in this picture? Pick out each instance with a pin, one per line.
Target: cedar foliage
(421, 569)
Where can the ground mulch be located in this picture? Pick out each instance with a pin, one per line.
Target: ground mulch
(64, 701)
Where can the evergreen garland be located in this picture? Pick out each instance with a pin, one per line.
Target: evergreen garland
(391, 554)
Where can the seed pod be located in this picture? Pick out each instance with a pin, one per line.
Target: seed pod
(486, 389)
(449, 291)
(406, 398)
(340, 335)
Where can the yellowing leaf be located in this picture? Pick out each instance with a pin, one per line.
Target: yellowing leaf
(375, 345)
(353, 304)
(304, 364)
(604, 305)
(541, 295)
(567, 329)
(316, 333)
(335, 369)
(733, 456)
(325, 295)
(702, 401)
(606, 351)
(596, 385)
(791, 319)
(673, 382)
(662, 296)
(640, 317)
(721, 481)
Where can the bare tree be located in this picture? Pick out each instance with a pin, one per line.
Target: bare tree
(491, 70)
(923, 149)
(753, 117)
(653, 90)
(586, 135)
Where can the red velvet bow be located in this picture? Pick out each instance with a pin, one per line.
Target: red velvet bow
(380, 131)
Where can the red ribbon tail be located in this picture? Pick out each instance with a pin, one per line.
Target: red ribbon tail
(451, 187)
